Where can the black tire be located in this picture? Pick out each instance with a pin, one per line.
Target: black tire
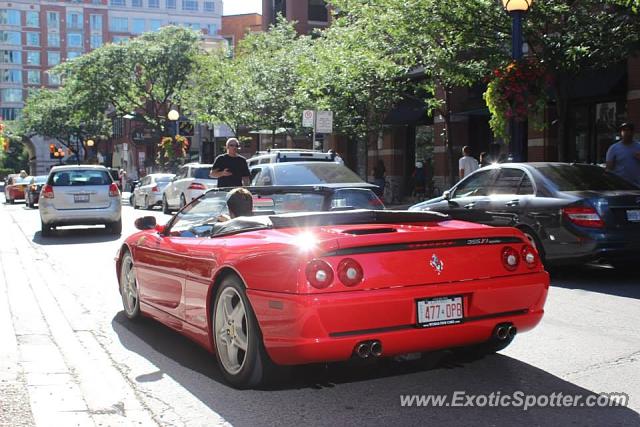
(132, 202)
(145, 204)
(256, 368)
(11, 201)
(183, 201)
(625, 266)
(115, 227)
(45, 229)
(129, 288)
(165, 205)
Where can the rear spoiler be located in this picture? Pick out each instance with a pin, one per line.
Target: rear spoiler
(358, 216)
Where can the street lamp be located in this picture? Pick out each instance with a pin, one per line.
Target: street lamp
(174, 116)
(517, 8)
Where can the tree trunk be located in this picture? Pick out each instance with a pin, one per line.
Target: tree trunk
(446, 114)
(562, 110)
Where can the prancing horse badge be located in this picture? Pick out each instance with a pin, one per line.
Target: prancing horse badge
(437, 264)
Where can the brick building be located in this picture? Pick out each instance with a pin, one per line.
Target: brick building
(235, 27)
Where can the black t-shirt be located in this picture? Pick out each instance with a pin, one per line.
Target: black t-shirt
(236, 165)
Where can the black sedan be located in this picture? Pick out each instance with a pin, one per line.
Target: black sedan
(572, 213)
(33, 190)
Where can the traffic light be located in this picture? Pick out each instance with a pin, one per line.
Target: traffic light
(52, 151)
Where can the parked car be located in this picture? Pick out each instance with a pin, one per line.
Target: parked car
(282, 155)
(311, 287)
(148, 192)
(80, 195)
(15, 188)
(33, 190)
(307, 173)
(191, 181)
(572, 213)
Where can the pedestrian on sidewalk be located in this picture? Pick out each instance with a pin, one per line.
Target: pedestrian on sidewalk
(623, 157)
(467, 163)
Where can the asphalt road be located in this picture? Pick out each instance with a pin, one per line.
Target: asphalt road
(68, 347)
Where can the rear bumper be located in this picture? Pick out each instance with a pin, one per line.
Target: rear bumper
(52, 216)
(299, 329)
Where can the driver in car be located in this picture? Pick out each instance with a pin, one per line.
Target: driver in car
(239, 203)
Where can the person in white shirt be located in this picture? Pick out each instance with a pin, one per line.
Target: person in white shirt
(467, 163)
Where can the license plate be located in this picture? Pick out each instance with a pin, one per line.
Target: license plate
(81, 198)
(633, 215)
(440, 311)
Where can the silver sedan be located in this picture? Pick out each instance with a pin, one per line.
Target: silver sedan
(148, 193)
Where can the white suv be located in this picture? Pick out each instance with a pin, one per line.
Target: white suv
(281, 155)
(191, 181)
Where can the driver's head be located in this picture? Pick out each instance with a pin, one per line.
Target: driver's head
(240, 202)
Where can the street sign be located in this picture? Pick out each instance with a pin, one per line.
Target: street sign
(307, 118)
(324, 122)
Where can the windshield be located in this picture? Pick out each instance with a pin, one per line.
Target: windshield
(40, 179)
(23, 180)
(202, 173)
(164, 178)
(76, 177)
(314, 173)
(583, 178)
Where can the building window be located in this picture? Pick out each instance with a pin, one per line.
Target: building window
(33, 77)
(154, 4)
(136, 3)
(10, 113)
(137, 26)
(209, 6)
(33, 38)
(32, 19)
(120, 39)
(318, 11)
(171, 4)
(191, 5)
(279, 7)
(212, 29)
(12, 76)
(11, 95)
(95, 23)
(155, 24)
(120, 25)
(53, 58)
(10, 37)
(53, 20)
(9, 17)
(96, 41)
(54, 79)
(193, 25)
(11, 57)
(73, 54)
(53, 40)
(33, 57)
(74, 40)
(118, 2)
(74, 21)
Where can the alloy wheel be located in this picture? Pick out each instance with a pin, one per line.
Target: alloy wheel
(231, 330)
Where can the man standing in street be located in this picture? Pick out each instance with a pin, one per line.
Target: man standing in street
(230, 169)
(467, 163)
(623, 157)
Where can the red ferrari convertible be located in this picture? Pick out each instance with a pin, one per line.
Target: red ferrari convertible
(283, 288)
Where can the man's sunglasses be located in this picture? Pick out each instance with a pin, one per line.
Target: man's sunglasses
(233, 145)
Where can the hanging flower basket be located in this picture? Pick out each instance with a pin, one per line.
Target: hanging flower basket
(517, 91)
(172, 151)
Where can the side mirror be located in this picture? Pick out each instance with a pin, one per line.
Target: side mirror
(446, 195)
(145, 223)
(160, 228)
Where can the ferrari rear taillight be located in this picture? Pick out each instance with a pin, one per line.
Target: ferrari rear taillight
(584, 216)
(319, 273)
(350, 272)
(47, 192)
(113, 190)
(155, 189)
(529, 256)
(197, 186)
(510, 258)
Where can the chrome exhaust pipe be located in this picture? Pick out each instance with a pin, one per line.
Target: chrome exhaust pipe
(502, 332)
(363, 350)
(512, 331)
(376, 348)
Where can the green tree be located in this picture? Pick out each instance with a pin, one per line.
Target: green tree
(14, 156)
(143, 76)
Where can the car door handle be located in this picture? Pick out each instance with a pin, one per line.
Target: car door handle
(470, 205)
(512, 203)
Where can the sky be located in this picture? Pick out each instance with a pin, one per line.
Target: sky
(236, 7)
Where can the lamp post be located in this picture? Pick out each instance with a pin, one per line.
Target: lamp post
(174, 116)
(517, 9)
(89, 143)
